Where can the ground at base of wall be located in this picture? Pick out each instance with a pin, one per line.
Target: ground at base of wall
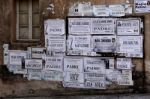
(127, 96)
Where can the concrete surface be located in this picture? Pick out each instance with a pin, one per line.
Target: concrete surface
(129, 96)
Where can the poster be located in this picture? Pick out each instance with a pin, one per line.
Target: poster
(52, 75)
(112, 75)
(103, 25)
(73, 85)
(95, 84)
(14, 68)
(38, 52)
(79, 25)
(5, 57)
(126, 78)
(104, 43)
(82, 43)
(85, 9)
(58, 53)
(54, 27)
(55, 43)
(130, 46)
(110, 62)
(128, 27)
(100, 10)
(73, 77)
(20, 71)
(142, 6)
(89, 76)
(94, 65)
(16, 57)
(73, 64)
(94, 80)
(75, 52)
(124, 63)
(53, 63)
(34, 74)
(33, 64)
(117, 10)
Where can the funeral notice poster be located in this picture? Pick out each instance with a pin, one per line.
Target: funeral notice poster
(130, 46)
(79, 25)
(79, 43)
(142, 6)
(16, 57)
(55, 43)
(53, 63)
(128, 27)
(73, 64)
(54, 27)
(33, 64)
(104, 43)
(103, 25)
(94, 65)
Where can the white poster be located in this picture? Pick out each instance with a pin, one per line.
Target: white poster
(53, 63)
(79, 25)
(5, 57)
(16, 57)
(82, 43)
(38, 52)
(110, 63)
(126, 78)
(112, 75)
(103, 25)
(20, 71)
(131, 46)
(85, 9)
(55, 43)
(33, 64)
(75, 52)
(124, 63)
(100, 10)
(54, 27)
(141, 6)
(88, 76)
(104, 43)
(73, 85)
(117, 10)
(95, 84)
(94, 65)
(128, 27)
(52, 75)
(58, 53)
(73, 64)
(94, 80)
(74, 77)
(34, 75)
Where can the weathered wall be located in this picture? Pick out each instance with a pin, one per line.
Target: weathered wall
(11, 85)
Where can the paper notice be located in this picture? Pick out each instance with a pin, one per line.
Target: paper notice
(142, 6)
(55, 43)
(53, 63)
(94, 65)
(104, 43)
(131, 46)
(103, 25)
(33, 64)
(54, 27)
(128, 27)
(79, 25)
(76, 43)
(73, 64)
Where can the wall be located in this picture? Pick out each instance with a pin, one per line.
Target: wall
(11, 85)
